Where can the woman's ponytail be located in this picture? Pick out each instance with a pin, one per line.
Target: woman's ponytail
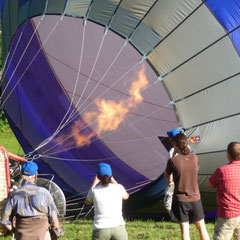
(181, 142)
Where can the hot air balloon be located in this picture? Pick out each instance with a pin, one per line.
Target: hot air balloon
(85, 82)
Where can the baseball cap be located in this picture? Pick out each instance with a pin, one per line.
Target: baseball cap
(29, 168)
(104, 169)
(172, 133)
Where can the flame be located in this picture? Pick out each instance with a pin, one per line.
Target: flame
(76, 137)
(108, 116)
(80, 138)
(137, 86)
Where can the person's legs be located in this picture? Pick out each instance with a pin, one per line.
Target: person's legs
(202, 229)
(101, 234)
(119, 233)
(184, 226)
(223, 229)
(236, 232)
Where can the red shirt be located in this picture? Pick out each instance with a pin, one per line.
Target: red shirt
(227, 181)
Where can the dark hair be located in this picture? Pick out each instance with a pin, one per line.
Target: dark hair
(181, 142)
(105, 180)
(234, 150)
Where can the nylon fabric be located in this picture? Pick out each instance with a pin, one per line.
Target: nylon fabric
(78, 8)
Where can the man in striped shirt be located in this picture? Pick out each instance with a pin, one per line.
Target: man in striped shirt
(227, 181)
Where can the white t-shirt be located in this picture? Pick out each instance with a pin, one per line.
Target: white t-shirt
(170, 153)
(107, 205)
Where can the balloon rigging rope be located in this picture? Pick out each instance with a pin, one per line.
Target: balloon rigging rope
(99, 82)
(80, 213)
(82, 200)
(79, 68)
(108, 134)
(7, 61)
(46, 141)
(15, 68)
(68, 120)
(75, 85)
(93, 120)
(79, 160)
(88, 212)
(76, 81)
(96, 119)
(75, 197)
(31, 60)
(99, 96)
(18, 65)
(109, 87)
(62, 125)
(93, 68)
(86, 108)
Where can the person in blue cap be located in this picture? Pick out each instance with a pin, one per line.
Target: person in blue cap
(107, 195)
(32, 206)
(171, 134)
(167, 201)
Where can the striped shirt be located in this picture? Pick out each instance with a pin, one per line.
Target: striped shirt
(29, 200)
(227, 181)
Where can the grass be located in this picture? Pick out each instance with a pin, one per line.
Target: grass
(8, 140)
(151, 230)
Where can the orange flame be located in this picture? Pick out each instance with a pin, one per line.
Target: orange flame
(80, 138)
(138, 85)
(109, 114)
(75, 137)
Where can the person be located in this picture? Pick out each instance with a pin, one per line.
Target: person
(32, 206)
(186, 206)
(227, 181)
(167, 200)
(171, 134)
(107, 199)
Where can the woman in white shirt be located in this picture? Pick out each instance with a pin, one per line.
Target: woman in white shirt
(107, 195)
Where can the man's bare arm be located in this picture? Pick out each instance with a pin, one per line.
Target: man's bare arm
(210, 185)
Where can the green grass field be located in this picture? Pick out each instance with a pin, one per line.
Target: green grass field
(151, 230)
(8, 140)
(82, 229)
(136, 230)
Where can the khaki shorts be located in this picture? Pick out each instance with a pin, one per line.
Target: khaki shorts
(225, 228)
(115, 233)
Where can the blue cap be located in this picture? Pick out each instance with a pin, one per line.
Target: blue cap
(29, 168)
(104, 169)
(172, 133)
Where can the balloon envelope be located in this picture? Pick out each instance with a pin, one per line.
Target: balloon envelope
(86, 82)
